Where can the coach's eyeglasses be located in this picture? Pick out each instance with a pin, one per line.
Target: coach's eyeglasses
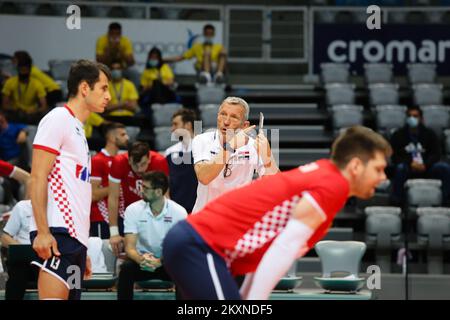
(227, 171)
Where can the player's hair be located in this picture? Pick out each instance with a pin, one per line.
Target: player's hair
(239, 101)
(208, 26)
(115, 26)
(187, 115)
(110, 127)
(157, 179)
(415, 108)
(85, 70)
(360, 142)
(22, 56)
(138, 150)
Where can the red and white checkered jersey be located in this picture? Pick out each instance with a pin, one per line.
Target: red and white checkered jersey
(130, 183)
(69, 187)
(6, 169)
(241, 224)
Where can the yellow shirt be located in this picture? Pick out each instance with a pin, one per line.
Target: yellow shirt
(197, 51)
(125, 47)
(47, 81)
(149, 75)
(121, 92)
(24, 96)
(94, 119)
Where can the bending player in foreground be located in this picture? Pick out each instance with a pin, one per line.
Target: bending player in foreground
(260, 229)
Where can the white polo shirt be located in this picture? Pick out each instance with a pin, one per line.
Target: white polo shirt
(151, 230)
(241, 166)
(18, 225)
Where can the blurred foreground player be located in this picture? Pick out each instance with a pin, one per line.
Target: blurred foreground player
(60, 184)
(260, 229)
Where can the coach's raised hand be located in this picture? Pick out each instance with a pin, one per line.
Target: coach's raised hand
(240, 138)
(44, 244)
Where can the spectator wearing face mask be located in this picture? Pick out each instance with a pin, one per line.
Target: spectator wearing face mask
(417, 154)
(23, 96)
(210, 57)
(124, 95)
(114, 46)
(157, 80)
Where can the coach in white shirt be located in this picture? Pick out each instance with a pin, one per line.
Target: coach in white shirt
(146, 224)
(226, 158)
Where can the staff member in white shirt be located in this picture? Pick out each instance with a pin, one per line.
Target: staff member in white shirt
(226, 158)
(146, 224)
(17, 231)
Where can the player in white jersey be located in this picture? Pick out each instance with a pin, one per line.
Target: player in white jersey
(61, 189)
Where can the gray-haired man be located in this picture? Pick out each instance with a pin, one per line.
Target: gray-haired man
(226, 158)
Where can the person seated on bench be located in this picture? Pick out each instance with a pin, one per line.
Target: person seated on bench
(146, 223)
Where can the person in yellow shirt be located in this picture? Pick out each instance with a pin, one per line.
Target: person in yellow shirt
(157, 81)
(52, 88)
(114, 46)
(210, 57)
(23, 96)
(124, 95)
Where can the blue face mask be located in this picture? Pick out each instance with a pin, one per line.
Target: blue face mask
(412, 122)
(116, 74)
(152, 63)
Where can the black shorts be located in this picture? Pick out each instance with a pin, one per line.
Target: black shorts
(69, 267)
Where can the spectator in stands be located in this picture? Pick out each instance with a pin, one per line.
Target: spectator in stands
(53, 90)
(417, 154)
(126, 176)
(227, 158)
(13, 140)
(124, 95)
(116, 139)
(16, 231)
(24, 96)
(157, 81)
(114, 46)
(210, 57)
(182, 179)
(147, 222)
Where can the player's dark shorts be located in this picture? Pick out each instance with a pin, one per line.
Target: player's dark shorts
(197, 270)
(69, 267)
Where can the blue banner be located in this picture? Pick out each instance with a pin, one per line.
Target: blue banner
(398, 44)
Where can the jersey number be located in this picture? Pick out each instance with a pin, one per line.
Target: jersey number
(54, 263)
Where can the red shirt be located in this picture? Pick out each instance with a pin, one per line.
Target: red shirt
(241, 224)
(130, 183)
(6, 169)
(101, 164)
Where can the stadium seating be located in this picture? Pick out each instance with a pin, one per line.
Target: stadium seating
(427, 94)
(383, 229)
(389, 117)
(436, 117)
(383, 93)
(334, 72)
(344, 116)
(378, 73)
(421, 73)
(433, 228)
(340, 93)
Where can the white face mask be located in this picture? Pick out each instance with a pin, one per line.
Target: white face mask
(412, 122)
(208, 40)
